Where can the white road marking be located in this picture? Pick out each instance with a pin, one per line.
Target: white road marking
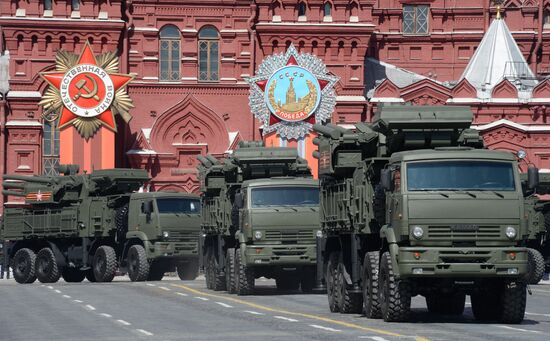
(181, 294)
(285, 318)
(253, 312)
(547, 315)
(324, 328)
(150, 285)
(91, 307)
(58, 291)
(124, 322)
(66, 296)
(77, 301)
(145, 332)
(224, 305)
(375, 338)
(164, 288)
(201, 298)
(50, 287)
(106, 315)
(519, 329)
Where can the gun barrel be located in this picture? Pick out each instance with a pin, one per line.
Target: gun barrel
(17, 185)
(327, 131)
(212, 159)
(204, 161)
(26, 178)
(14, 193)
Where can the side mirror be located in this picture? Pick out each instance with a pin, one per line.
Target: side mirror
(239, 200)
(532, 177)
(386, 179)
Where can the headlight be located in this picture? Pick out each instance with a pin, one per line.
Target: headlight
(258, 235)
(319, 234)
(165, 234)
(418, 232)
(511, 232)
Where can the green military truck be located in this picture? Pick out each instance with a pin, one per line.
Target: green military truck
(537, 241)
(90, 226)
(413, 205)
(260, 218)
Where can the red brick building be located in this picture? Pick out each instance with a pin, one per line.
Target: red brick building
(191, 59)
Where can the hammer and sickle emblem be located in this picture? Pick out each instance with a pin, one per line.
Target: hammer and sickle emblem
(82, 85)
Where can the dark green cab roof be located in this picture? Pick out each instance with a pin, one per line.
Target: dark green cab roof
(280, 181)
(452, 153)
(148, 195)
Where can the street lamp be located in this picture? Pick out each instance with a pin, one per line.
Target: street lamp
(4, 89)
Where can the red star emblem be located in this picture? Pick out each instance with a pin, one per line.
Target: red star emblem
(39, 196)
(87, 90)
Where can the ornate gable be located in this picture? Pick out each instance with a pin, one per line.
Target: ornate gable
(504, 89)
(386, 89)
(426, 92)
(464, 89)
(542, 90)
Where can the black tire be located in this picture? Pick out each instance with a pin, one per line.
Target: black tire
(245, 276)
(332, 292)
(104, 264)
(90, 275)
(230, 274)
(485, 305)
(188, 271)
(47, 270)
(287, 282)
(138, 265)
(371, 302)
(24, 266)
(156, 272)
(73, 275)
(218, 281)
(395, 295)
(449, 304)
(307, 281)
(121, 222)
(513, 300)
(535, 266)
(350, 303)
(208, 270)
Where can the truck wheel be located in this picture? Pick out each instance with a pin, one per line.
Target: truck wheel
(90, 275)
(485, 305)
(513, 300)
(46, 266)
(535, 266)
(350, 303)
(395, 295)
(73, 275)
(307, 281)
(156, 272)
(332, 293)
(104, 264)
(450, 304)
(138, 265)
(218, 282)
(371, 303)
(24, 266)
(208, 270)
(245, 276)
(230, 275)
(188, 271)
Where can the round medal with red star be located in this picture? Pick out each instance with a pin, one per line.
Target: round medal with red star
(86, 91)
(291, 92)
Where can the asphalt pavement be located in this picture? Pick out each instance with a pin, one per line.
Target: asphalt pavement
(185, 310)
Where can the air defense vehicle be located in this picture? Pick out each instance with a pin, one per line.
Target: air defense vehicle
(537, 209)
(412, 204)
(92, 225)
(259, 218)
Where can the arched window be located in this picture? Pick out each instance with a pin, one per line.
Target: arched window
(209, 55)
(75, 5)
(47, 5)
(301, 9)
(546, 18)
(50, 148)
(327, 9)
(169, 53)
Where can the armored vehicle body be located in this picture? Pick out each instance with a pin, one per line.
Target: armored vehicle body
(260, 218)
(91, 225)
(413, 205)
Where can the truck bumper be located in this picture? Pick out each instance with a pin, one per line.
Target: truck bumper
(170, 249)
(273, 255)
(462, 262)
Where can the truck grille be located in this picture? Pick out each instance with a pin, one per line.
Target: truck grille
(447, 233)
(290, 236)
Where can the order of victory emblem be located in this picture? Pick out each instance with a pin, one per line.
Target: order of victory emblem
(86, 91)
(291, 92)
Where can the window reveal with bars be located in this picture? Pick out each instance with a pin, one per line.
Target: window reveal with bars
(209, 59)
(415, 19)
(169, 53)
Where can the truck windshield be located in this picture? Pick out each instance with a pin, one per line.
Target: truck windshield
(178, 205)
(285, 196)
(460, 175)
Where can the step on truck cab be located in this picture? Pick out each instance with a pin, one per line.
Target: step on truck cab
(412, 204)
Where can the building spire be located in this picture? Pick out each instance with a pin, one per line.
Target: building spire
(498, 12)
